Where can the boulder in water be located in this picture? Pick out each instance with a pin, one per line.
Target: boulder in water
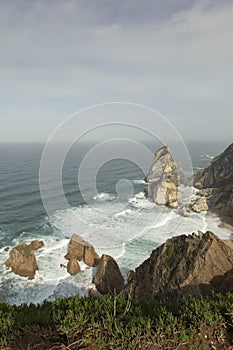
(73, 266)
(199, 205)
(79, 249)
(22, 261)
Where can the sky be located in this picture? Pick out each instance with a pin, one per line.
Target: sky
(59, 56)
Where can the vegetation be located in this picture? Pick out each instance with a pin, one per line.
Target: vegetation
(117, 323)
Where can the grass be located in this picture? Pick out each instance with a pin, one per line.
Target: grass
(118, 323)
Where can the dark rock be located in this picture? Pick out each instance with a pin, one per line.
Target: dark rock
(22, 261)
(73, 266)
(182, 266)
(216, 183)
(35, 244)
(6, 249)
(163, 180)
(108, 278)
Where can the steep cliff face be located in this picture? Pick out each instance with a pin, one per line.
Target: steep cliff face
(163, 179)
(183, 265)
(216, 184)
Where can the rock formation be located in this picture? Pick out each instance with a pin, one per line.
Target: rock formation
(73, 266)
(22, 260)
(216, 184)
(35, 244)
(79, 249)
(183, 265)
(199, 205)
(163, 179)
(108, 278)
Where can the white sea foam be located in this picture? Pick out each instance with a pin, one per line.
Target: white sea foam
(139, 181)
(104, 197)
(129, 235)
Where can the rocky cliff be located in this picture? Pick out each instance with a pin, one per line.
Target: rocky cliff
(163, 180)
(215, 182)
(183, 265)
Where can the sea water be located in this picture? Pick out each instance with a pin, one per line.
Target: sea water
(127, 229)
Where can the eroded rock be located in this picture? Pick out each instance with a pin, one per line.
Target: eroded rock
(82, 250)
(199, 205)
(35, 244)
(183, 265)
(22, 261)
(216, 184)
(163, 180)
(73, 266)
(108, 278)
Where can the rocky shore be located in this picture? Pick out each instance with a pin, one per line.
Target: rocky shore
(185, 265)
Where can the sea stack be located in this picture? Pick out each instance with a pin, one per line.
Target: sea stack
(163, 180)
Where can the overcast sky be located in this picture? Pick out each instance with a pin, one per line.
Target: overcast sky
(58, 56)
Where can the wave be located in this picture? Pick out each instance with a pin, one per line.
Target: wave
(129, 235)
(104, 197)
(206, 156)
(139, 181)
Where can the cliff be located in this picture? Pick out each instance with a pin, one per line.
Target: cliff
(183, 266)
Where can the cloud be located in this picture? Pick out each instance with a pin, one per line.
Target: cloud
(58, 56)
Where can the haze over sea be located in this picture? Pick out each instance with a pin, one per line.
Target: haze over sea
(129, 234)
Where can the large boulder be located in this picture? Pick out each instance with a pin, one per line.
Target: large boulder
(82, 250)
(199, 205)
(22, 261)
(108, 278)
(73, 266)
(163, 180)
(216, 183)
(76, 248)
(183, 266)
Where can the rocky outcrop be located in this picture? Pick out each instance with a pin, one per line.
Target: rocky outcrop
(22, 261)
(80, 249)
(163, 180)
(73, 266)
(35, 244)
(183, 265)
(216, 183)
(199, 205)
(108, 278)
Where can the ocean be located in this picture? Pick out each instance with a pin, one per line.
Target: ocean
(118, 219)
